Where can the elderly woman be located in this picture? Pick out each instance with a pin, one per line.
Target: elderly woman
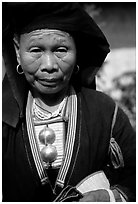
(57, 129)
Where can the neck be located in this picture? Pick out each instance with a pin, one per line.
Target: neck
(50, 101)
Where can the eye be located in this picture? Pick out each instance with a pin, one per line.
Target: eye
(61, 52)
(35, 50)
(61, 49)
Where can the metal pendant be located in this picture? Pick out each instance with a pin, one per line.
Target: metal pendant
(47, 136)
(49, 152)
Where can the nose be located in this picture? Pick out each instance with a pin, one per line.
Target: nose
(48, 63)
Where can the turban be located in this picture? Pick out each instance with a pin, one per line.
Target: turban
(92, 46)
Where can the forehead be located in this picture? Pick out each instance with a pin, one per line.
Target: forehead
(56, 35)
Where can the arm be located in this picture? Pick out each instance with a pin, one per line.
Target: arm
(121, 171)
(124, 135)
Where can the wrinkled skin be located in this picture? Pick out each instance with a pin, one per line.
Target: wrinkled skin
(47, 58)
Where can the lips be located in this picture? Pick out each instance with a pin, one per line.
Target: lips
(49, 81)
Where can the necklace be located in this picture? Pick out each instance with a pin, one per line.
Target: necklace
(33, 132)
(47, 136)
(49, 152)
(42, 114)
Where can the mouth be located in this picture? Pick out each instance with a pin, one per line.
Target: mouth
(51, 82)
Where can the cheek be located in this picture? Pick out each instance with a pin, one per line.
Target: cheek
(67, 64)
(29, 64)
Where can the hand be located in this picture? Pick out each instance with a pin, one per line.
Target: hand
(96, 196)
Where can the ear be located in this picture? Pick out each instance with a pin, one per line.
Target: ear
(17, 49)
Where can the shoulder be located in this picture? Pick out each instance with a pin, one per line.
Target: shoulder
(96, 99)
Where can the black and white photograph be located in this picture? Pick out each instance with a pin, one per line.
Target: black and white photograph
(68, 101)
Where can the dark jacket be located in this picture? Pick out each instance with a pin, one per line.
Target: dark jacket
(94, 110)
(90, 154)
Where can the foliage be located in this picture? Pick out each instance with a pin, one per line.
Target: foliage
(126, 83)
(123, 88)
(123, 91)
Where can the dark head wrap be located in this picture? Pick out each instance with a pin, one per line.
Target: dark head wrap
(92, 46)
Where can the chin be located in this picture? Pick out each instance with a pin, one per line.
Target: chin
(41, 89)
(48, 90)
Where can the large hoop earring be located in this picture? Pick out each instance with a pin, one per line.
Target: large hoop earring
(19, 69)
(77, 69)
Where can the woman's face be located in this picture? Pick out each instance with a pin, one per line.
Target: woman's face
(47, 58)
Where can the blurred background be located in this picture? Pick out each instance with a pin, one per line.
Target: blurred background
(117, 77)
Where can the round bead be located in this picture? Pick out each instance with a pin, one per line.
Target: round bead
(47, 136)
(49, 153)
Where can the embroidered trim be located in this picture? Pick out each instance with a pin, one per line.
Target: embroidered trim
(70, 139)
(33, 142)
(77, 151)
